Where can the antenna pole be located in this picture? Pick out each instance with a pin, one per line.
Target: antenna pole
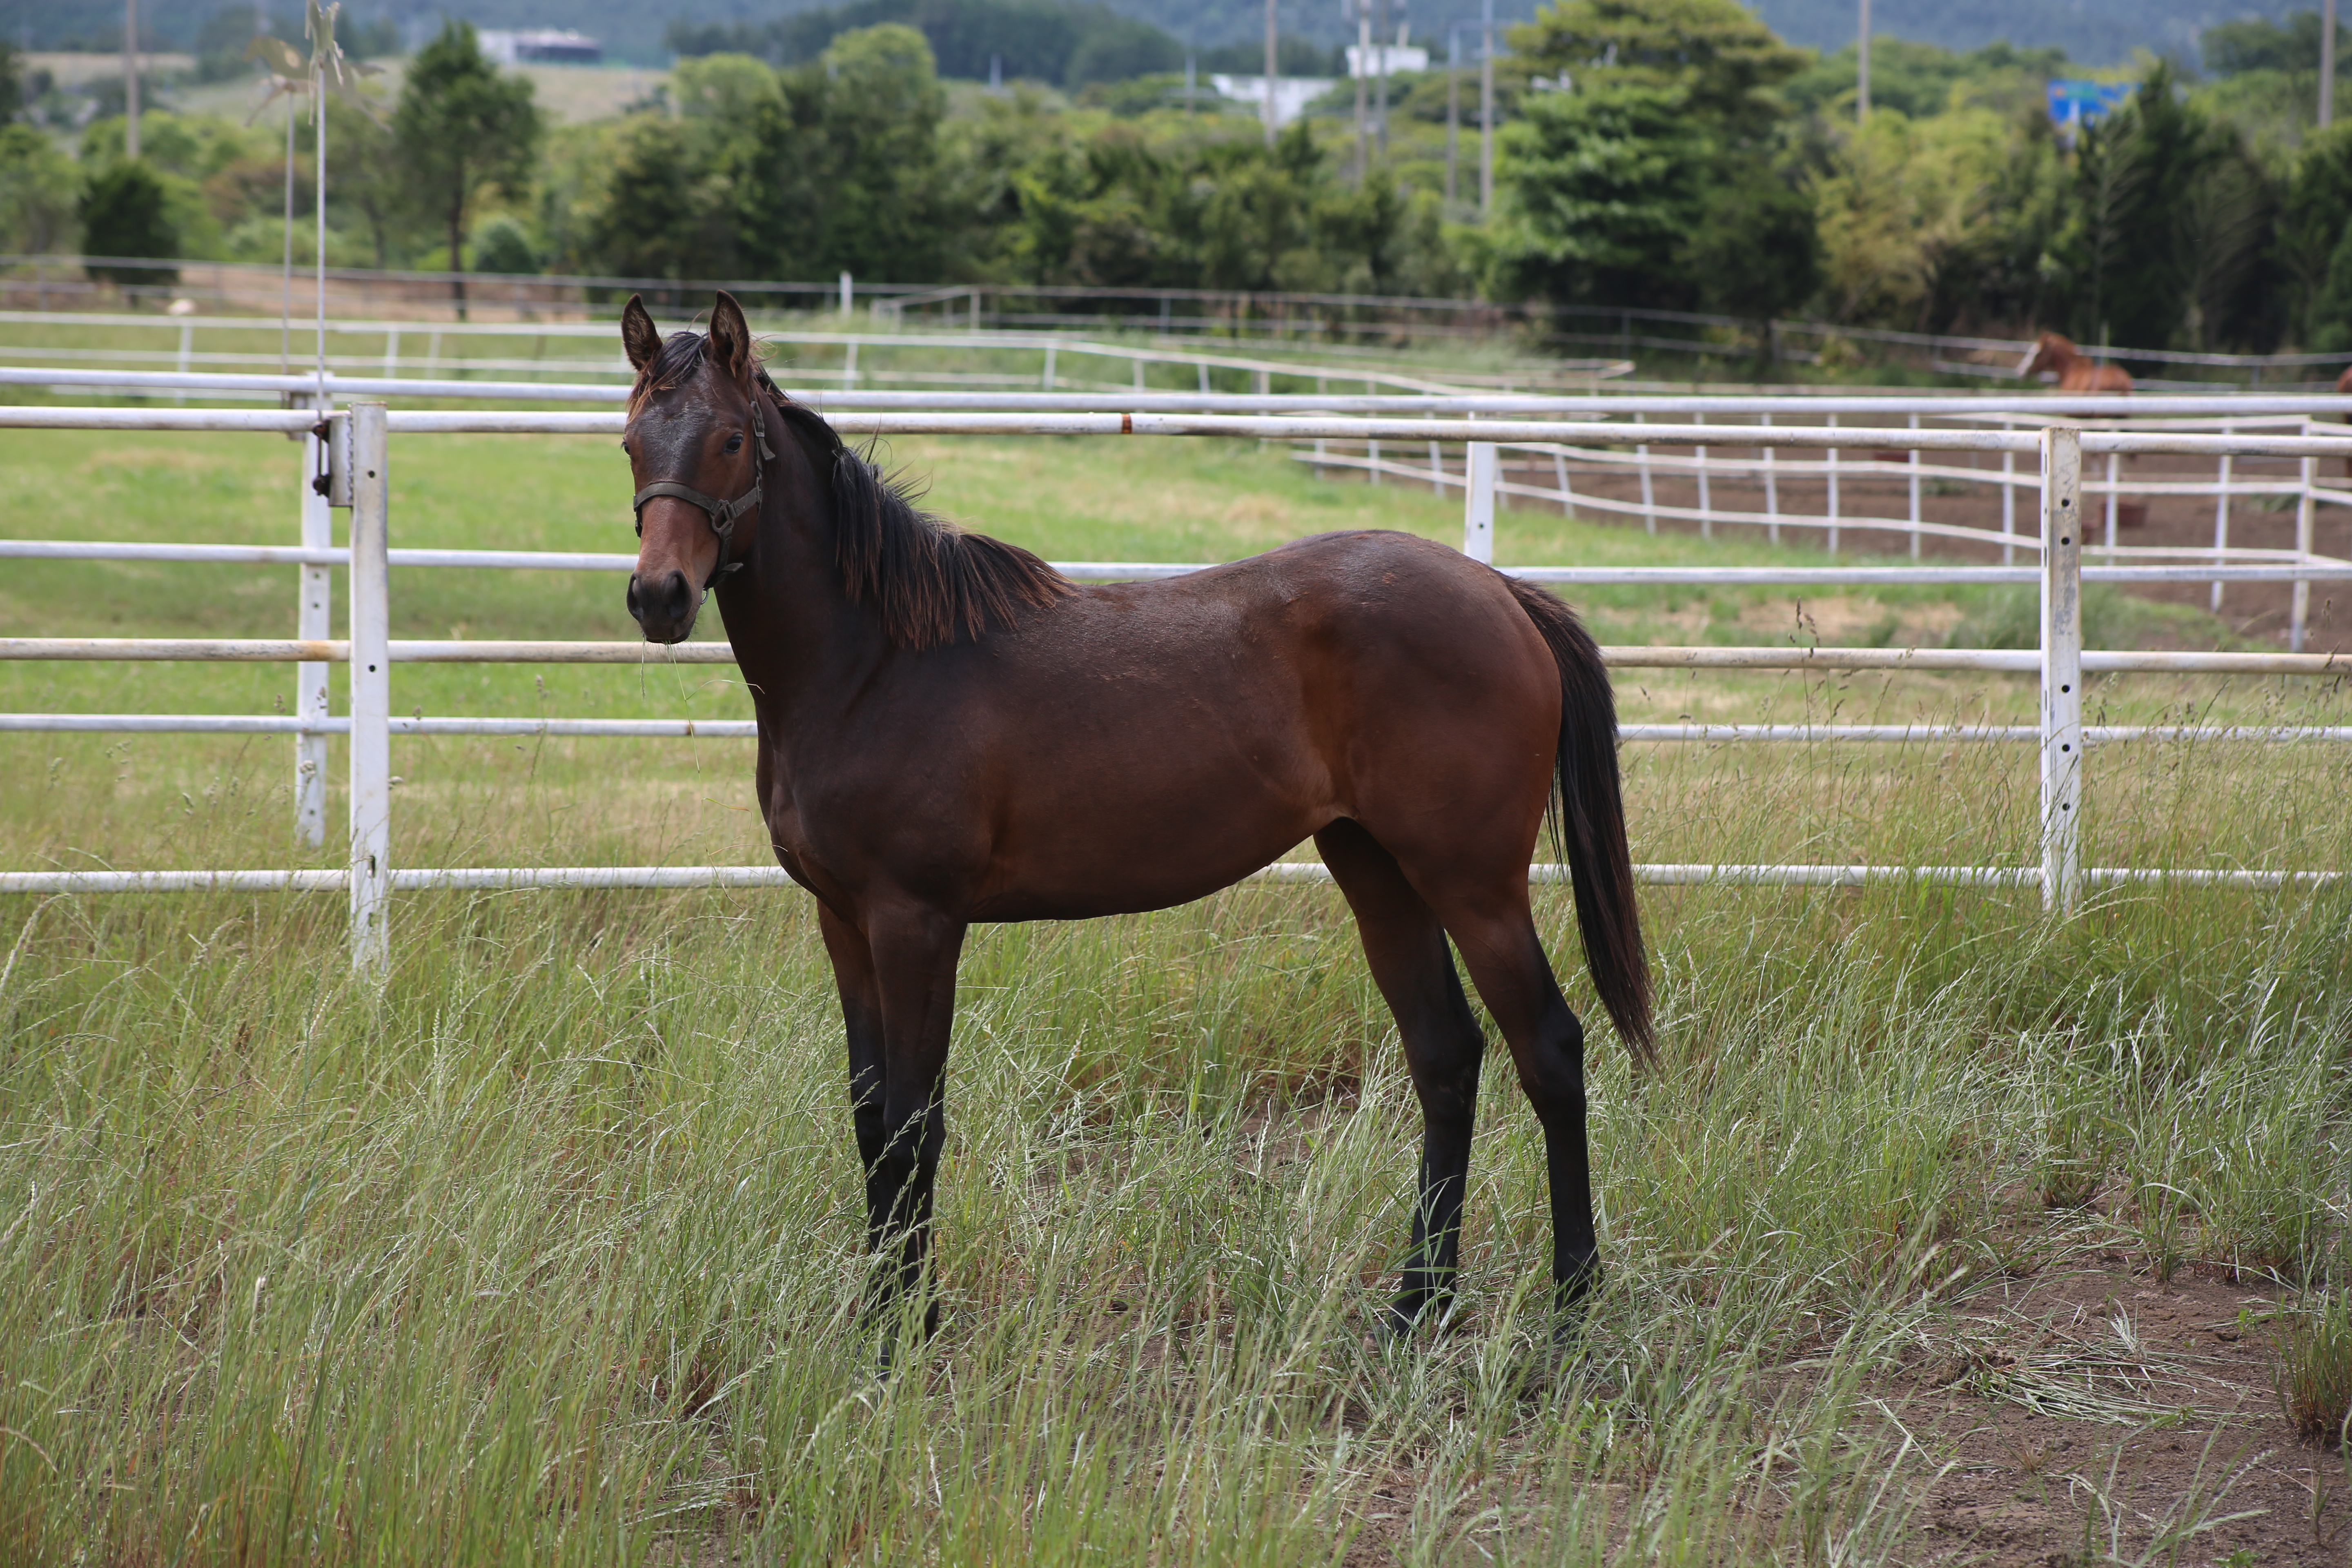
(1486, 109)
(130, 78)
(1862, 65)
(2327, 65)
(1272, 61)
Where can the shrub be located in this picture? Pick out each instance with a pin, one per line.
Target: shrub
(122, 214)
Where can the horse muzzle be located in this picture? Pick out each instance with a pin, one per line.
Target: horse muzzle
(665, 607)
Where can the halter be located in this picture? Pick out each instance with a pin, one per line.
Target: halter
(724, 515)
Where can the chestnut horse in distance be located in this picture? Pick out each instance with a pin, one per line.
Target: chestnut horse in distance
(951, 731)
(2076, 370)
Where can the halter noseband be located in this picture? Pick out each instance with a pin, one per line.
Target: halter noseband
(724, 515)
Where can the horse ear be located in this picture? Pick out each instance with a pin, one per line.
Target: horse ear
(730, 339)
(639, 336)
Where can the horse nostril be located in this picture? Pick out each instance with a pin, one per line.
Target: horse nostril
(679, 596)
(636, 605)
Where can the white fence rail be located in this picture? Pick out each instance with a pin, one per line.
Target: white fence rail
(370, 879)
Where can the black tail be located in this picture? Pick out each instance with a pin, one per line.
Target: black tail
(1588, 820)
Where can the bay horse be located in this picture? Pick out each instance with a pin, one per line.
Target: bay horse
(2076, 371)
(952, 731)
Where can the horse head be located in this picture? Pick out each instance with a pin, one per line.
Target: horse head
(697, 443)
(2050, 352)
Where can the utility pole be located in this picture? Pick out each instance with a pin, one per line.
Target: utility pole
(1452, 106)
(130, 78)
(1380, 116)
(2327, 65)
(1862, 77)
(1270, 63)
(1487, 107)
(1363, 64)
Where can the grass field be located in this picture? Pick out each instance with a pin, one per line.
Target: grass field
(1943, 1232)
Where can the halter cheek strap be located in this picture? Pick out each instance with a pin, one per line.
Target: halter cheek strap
(724, 515)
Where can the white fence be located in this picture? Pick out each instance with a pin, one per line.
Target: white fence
(433, 350)
(355, 446)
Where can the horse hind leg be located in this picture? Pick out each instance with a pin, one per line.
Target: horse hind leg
(1496, 930)
(1405, 946)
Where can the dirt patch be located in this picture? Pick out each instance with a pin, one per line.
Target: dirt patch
(2089, 1412)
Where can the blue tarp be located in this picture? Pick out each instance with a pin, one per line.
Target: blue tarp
(2077, 102)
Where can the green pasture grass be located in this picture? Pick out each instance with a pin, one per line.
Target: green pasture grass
(548, 1248)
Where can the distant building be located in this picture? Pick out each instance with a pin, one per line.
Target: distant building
(1385, 59)
(1292, 94)
(539, 47)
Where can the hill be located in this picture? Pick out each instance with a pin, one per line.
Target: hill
(2098, 31)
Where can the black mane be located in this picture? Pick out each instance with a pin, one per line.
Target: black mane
(930, 582)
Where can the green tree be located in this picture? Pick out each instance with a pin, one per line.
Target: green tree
(2329, 316)
(123, 214)
(1727, 64)
(665, 211)
(842, 169)
(363, 174)
(881, 215)
(38, 189)
(1601, 192)
(1658, 177)
(2126, 257)
(1757, 252)
(2314, 217)
(12, 82)
(461, 127)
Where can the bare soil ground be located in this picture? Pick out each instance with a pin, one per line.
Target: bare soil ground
(2030, 1485)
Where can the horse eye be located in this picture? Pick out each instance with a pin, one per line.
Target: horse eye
(735, 442)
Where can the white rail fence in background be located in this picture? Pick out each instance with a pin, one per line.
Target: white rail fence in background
(1844, 485)
(354, 447)
(391, 353)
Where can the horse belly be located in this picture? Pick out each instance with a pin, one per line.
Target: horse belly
(1158, 805)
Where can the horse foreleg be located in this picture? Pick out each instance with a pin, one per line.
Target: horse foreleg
(861, 1017)
(1405, 947)
(914, 953)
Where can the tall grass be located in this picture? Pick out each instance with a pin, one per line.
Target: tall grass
(551, 1247)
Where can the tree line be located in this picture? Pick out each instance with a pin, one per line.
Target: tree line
(1657, 153)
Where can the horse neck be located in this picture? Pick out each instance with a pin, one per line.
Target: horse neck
(794, 629)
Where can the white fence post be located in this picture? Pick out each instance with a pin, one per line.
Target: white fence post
(1831, 453)
(1771, 491)
(2305, 506)
(1479, 505)
(313, 621)
(1567, 490)
(371, 743)
(2008, 507)
(2221, 515)
(2062, 666)
(1436, 471)
(1046, 381)
(1706, 496)
(1649, 491)
(1915, 494)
